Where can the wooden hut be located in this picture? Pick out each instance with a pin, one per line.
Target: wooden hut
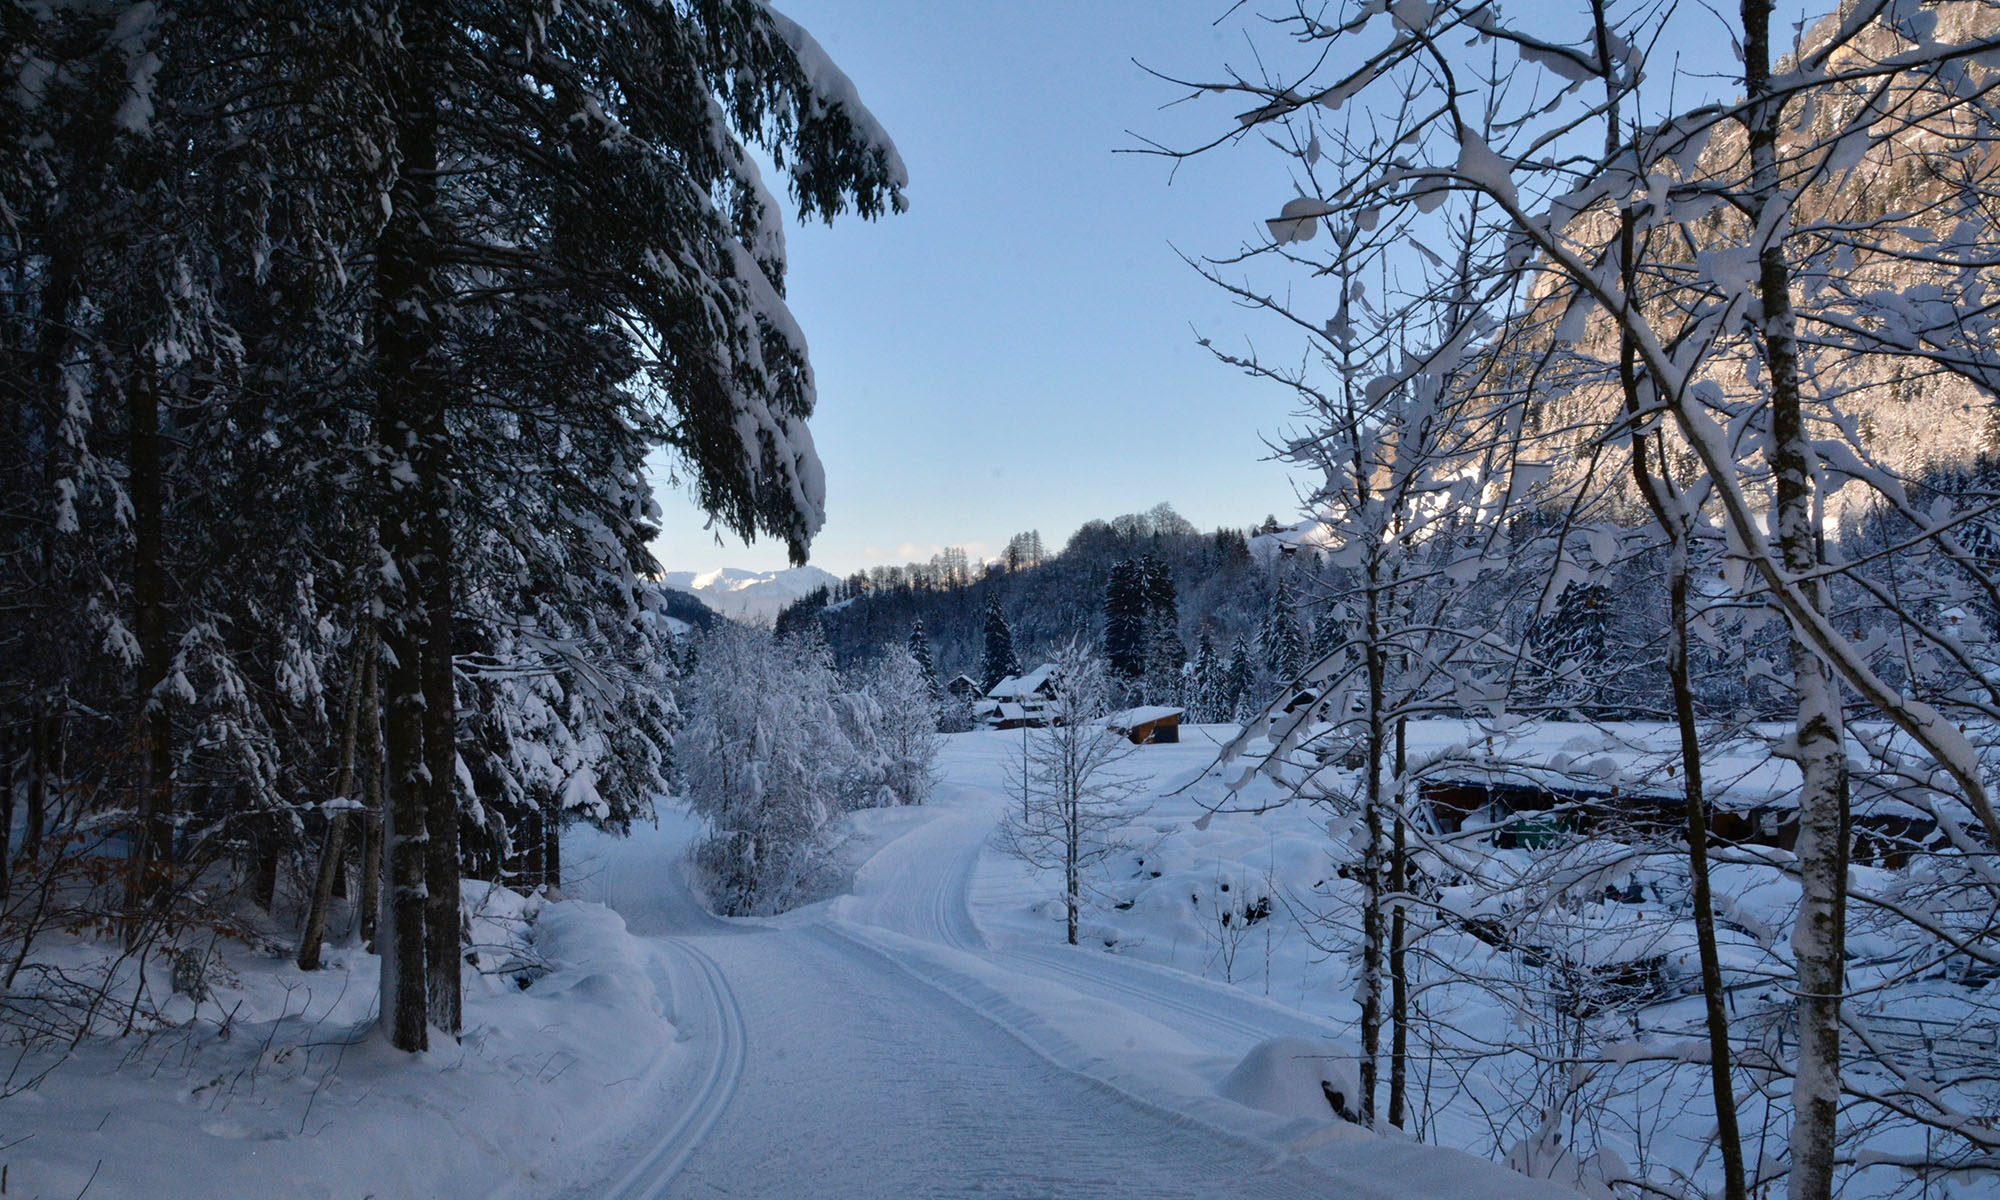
(1154, 724)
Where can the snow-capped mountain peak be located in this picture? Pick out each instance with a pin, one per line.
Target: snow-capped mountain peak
(753, 597)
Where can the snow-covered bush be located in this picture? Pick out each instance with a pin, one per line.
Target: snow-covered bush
(891, 724)
(777, 747)
(763, 761)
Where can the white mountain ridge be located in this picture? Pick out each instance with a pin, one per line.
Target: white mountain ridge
(752, 597)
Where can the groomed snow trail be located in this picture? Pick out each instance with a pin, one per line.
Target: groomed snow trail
(864, 1083)
(879, 1045)
(708, 1015)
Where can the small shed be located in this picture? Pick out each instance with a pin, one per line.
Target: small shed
(1154, 724)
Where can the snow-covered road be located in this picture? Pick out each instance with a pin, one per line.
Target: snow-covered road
(882, 1045)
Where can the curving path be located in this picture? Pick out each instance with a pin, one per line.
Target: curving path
(880, 1046)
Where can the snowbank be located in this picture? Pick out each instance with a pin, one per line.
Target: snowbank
(275, 1084)
(1294, 1077)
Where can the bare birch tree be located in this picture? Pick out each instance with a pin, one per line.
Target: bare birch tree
(1075, 800)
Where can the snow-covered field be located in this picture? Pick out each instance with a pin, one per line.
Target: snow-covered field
(924, 1033)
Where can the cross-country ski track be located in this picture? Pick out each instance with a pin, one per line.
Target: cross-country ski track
(879, 1045)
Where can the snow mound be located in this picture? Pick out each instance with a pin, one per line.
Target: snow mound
(1295, 1077)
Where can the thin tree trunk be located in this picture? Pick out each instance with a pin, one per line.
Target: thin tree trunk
(528, 855)
(552, 851)
(7, 753)
(336, 825)
(1669, 511)
(332, 851)
(1819, 935)
(441, 873)
(1721, 1085)
(264, 867)
(39, 773)
(370, 766)
(53, 338)
(1399, 976)
(1373, 930)
(1072, 876)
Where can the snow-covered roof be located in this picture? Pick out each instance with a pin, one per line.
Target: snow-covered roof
(1015, 687)
(1132, 718)
(1635, 758)
(1010, 712)
(1309, 534)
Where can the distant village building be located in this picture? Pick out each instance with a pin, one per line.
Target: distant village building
(1522, 804)
(962, 687)
(1154, 724)
(1000, 714)
(1019, 700)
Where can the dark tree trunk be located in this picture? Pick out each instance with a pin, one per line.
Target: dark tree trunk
(409, 388)
(152, 850)
(441, 872)
(400, 931)
(552, 852)
(264, 869)
(1374, 933)
(1399, 976)
(1669, 510)
(530, 851)
(40, 771)
(53, 337)
(7, 757)
(370, 766)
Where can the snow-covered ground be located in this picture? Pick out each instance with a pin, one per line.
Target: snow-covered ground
(925, 1033)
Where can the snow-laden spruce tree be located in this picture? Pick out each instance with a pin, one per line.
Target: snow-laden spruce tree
(279, 369)
(999, 659)
(1125, 621)
(1075, 798)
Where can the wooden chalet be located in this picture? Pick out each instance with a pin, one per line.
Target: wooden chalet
(1019, 700)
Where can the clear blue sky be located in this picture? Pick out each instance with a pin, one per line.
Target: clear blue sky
(1017, 351)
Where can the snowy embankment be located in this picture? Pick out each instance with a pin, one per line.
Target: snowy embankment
(275, 1085)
